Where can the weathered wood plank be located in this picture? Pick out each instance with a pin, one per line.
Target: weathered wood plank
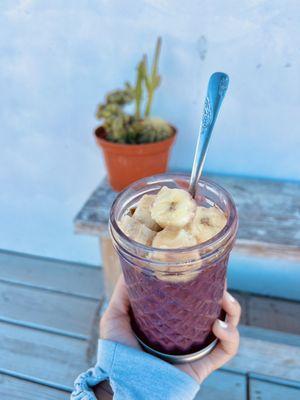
(270, 313)
(93, 217)
(19, 389)
(263, 205)
(223, 385)
(51, 274)
(46, 356)
(267, 358)
(267, 250)
(260, 390)
(270, 335)
(71, 314)
(274, 314)
(59, 359)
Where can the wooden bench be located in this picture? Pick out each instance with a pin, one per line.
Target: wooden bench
(49, 314)
(269, 215)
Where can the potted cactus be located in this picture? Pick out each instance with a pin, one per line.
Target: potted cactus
(135, 145)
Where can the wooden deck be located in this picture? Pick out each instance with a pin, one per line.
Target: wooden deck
(49, 313)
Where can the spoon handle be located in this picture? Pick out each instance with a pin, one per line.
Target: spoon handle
(217, 86)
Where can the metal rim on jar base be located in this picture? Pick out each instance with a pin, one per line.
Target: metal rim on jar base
(180, 359)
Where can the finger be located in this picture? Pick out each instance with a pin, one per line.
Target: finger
(226, 348)
(119, 301)
(228, 336)
(118, 305)
(232, 308)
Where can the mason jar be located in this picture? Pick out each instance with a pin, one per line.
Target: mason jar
(175, 294)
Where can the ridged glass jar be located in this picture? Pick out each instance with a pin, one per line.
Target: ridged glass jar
(175, 294)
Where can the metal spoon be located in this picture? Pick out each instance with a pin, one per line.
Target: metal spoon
(217, 86)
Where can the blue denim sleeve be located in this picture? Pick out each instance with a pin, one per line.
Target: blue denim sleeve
(134, 375)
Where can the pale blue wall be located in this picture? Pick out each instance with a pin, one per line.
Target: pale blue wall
(58, 58)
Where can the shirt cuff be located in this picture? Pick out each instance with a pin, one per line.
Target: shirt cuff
(134, 375)
(83, 385)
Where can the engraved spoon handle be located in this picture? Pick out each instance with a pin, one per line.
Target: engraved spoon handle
(217, 86)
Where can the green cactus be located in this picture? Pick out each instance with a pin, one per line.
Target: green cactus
(139, 87)
(122, 127)
(153, 130)
(152, 81)
(121, 97)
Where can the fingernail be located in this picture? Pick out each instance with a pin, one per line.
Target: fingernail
(231, 298)
(222, 324)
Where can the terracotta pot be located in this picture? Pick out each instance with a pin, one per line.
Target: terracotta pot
(127, 163)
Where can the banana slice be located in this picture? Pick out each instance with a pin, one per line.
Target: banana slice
(207, 223)
(173, 238)
(173, 276)
(143, 214)
(173, 208)
(136, 230)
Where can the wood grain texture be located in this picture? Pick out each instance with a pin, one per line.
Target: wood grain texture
(267, 250)
(270, 335)
(49, 309)
(93, 217)
(60, 359)
(70, 278)
(269, 214)
(46, 356)
(270, 313)
(269, 210)
(223, 385)
(267, 358)
(260, 390)
(19, 389)
(274, 314)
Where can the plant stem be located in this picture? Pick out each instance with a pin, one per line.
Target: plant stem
(139, 87)
(154, 79)
(149, 103)
(156, 58)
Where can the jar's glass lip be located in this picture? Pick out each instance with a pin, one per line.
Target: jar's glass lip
(230, 227)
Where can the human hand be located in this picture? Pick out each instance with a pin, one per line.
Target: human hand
(115, 326)
(227, 346)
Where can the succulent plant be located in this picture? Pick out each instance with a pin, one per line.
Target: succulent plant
(122, 127)
(150, 130)
(121, 97)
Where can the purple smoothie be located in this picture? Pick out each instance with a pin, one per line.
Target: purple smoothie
(175, 316)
